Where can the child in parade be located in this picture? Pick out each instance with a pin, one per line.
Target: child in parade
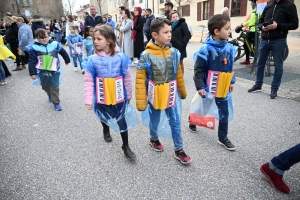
(88, 45)
(217, 55)
(44, 65)
(107, 75)
(157, 79)
(74, 41)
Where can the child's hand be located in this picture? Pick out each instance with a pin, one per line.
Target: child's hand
(231, 87)
(202, 92)
(33, 77)
(89, 106)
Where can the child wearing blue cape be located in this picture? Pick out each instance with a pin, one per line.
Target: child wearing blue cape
(44, 66)
(214, 61)
(108, 87)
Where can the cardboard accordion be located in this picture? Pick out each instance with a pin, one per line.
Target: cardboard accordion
(218, 83)
(48, 63)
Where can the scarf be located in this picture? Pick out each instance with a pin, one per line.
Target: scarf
(174, 24)
(135, 21)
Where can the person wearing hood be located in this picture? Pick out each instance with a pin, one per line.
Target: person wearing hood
(36, 23)
(180, 36)
(215, 59)
(137, 32)
(93, 19)
(149, 19)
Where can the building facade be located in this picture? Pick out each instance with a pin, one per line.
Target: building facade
(101, 6)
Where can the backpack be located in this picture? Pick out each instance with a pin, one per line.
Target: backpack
(190, 30)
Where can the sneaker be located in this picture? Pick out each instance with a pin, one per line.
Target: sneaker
(255, 88)
(23, 67)
(50, 99)
(128, 153)
(250, 65)
(273, 94)
(275, 179)
(57, 107)
(156, 145)
(136, 61)
(2, 83)
(106, 135)
(182, 157)
(17, 68)
(75, 69)
(192, 128)
(246, 62)
(227, 144)
(82, 71)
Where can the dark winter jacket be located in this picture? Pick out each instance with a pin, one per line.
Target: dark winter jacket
(147, 26)
(11, 34)
(35, 24)
(284, 13)
(180, 37)
(90, 21)
(139, 43)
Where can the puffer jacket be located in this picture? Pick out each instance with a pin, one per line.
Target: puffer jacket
(161, 65)
(284, 13)
(25, 36)
(35, 24)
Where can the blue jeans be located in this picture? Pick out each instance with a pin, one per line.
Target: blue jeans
(222, 104)
(285, 160)
(76, 57)
(278, 48)
(58, 37)
(2, 73)
(174, 121)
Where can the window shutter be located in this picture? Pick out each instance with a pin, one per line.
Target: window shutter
(211, 7)
(199, 11)
(227, 3)
(188, 10)
(243, 10)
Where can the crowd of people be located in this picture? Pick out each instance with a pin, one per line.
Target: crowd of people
(159, 46)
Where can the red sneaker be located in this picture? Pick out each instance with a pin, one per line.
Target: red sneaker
(182, 157)
(246, 62)
(156, 145)
(275, 179)
(250, 65)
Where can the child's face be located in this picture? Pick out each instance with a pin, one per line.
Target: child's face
(44, 40)
(164, 35)
(100, 42)
(90, 32)
(72, 30)
(224, 33)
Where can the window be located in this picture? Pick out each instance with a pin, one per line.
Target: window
(24, 2)
(140, 1)
(31, 2)
(185, 10)
(206, 9)
(161, 1)
(238, 8)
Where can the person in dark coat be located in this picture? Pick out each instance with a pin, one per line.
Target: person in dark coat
(36, 23)
(149, 19)
(11, 38)
(137, 32)
(180, 36)
(93, 19)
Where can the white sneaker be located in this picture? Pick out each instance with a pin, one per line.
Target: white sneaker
(136, 62)
(75, 69)
(82, 71)
(9, 59)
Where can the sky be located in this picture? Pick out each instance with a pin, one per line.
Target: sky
(78, 3)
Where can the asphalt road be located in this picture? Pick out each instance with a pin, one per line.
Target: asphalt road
(46, 154)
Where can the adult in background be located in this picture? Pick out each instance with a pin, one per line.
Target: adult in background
(168, 10)
(225, 11)
(275, 27)
(36, 23)
(63, 30)
(149, 19)
(180, 36)
(25, 37)
(125, 31)
(111, 22)
(11, 37)
(57, 30)
(137, 32)
(2, 28)
(93, 19)
(71, 22)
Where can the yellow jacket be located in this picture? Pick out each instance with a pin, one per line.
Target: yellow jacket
(4, 51)
(157, 63)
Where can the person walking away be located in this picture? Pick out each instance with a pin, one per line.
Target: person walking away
(159, 68)
(217, 55)
(137, 33)
(36, 23)
(44, 66)
(274, 23)
(108, 65)
(180, 36)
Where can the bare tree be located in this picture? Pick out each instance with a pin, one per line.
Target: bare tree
(100, 3)
(125, 3)
(69, 6)
(6, 6)
(180, 3)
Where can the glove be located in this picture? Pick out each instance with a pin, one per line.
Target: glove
(238, 29)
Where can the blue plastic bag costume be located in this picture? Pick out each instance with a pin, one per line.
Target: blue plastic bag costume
(121, 116)
(88, 45)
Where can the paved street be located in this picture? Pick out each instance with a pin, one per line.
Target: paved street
(46, 154)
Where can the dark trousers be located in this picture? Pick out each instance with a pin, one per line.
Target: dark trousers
(52, 92)
(7, 73)
(14, 50)
(222, 105)
(251, 36)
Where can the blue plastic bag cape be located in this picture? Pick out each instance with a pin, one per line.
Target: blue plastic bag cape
(122, 116)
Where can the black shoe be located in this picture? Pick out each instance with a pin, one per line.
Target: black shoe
(227, 144)
(255, 88)
(273, 94)
(192, 128)
(106, 134)
(128, 153)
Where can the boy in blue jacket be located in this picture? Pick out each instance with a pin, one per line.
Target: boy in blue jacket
(216, 56)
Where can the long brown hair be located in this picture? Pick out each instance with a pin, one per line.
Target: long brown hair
(107, 32)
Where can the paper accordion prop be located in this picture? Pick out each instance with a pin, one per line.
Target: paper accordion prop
(48, 63)
(77, 50)
(162, 96)
(218, 83)
(204, 121)
(109, 91)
